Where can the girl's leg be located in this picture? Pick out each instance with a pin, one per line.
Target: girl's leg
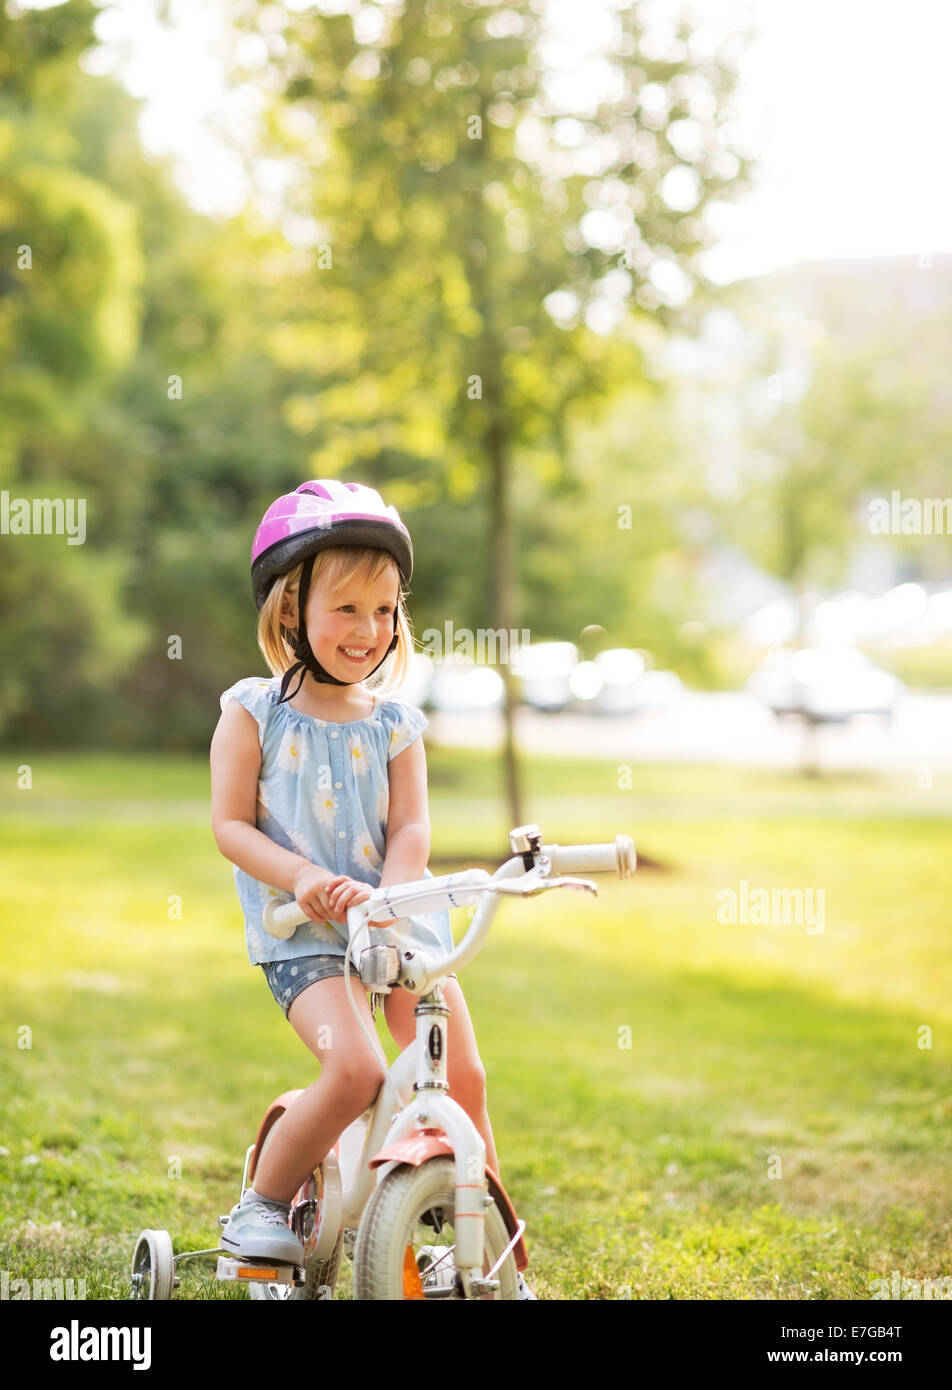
(465, 1072)
(350, 1078)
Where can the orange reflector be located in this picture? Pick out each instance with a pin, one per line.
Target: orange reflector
(255, 1272)
(412, 1283)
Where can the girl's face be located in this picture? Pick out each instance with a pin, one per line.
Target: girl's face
(350, 630)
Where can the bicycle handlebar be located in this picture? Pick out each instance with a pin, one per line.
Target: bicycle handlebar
(421, 895)
(465, 887)
(534, 868)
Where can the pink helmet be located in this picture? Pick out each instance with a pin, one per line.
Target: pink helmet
(322, 513)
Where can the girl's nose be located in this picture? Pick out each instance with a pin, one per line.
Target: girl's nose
(370, 625)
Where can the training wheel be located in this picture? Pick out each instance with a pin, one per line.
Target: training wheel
(153, 1266)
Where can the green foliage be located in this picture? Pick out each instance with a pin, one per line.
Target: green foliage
(178, 372)
(869, 420)
(419, 314)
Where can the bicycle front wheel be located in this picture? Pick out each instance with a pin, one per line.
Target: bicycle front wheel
(406, 1241)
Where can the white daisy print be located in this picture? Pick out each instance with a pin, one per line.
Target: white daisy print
(398, 738)
(267, 894)
(360, 757)
(257, 941)
(365, 851)
(292, 754)
(258, 938)
(322, 932)
(325, 806)
(301, 843)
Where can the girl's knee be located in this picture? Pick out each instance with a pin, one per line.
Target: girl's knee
(469, 1079)
(356, 1078)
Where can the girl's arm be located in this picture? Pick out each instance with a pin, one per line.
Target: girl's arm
(235, 768)
(408, 831)
(408, 817)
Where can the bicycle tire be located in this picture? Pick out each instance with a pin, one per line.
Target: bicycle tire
(390, 1224)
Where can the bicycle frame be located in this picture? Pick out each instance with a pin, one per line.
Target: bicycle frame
(413, 1100)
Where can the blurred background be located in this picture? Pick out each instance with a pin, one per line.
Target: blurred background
(609, 426)
(640, 315)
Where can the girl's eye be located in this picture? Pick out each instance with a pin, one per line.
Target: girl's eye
(384, 608)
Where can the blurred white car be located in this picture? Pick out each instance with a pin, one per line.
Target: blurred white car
(656, 690)
(828, 685)
(544, 671)
(456, 686)
(616, 682)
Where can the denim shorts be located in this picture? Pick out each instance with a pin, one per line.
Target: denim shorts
(287, 978)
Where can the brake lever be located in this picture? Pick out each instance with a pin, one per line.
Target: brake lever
(541, 885)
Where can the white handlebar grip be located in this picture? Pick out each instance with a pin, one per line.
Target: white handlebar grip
(282, 919)
(595, 859)
(627, 858)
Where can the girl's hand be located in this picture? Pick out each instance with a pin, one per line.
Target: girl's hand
(344, 892)
(312, 892)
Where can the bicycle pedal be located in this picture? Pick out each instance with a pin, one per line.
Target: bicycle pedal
(266, 1271)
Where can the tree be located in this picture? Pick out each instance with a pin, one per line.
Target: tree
(484, 258)
(69, 274)
(828, 418)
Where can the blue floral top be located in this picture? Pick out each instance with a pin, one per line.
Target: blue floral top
(324, 793)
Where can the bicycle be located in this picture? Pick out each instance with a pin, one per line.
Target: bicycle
(405, 1173)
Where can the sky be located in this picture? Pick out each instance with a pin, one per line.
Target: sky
(847, 104)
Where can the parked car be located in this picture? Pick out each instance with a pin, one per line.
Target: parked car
(827, 685)
(544, 671)
(456, 686)
(617, 682)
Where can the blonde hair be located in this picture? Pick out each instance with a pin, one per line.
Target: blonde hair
(337, 565)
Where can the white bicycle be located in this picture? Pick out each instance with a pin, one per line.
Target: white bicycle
(406, 1190)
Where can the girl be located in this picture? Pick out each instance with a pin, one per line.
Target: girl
(320, 791)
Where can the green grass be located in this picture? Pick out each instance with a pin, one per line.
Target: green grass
(649, 1068)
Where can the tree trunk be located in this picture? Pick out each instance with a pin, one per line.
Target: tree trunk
(495, 442)
(503, 610)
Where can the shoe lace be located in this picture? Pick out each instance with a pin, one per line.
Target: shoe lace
(271, 1216)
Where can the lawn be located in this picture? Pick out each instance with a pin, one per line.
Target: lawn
(684, 1107)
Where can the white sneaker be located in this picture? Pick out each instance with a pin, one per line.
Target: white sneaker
(524, 1290)
(260, 1231)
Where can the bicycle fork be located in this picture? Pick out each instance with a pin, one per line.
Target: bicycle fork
(434, 1124)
